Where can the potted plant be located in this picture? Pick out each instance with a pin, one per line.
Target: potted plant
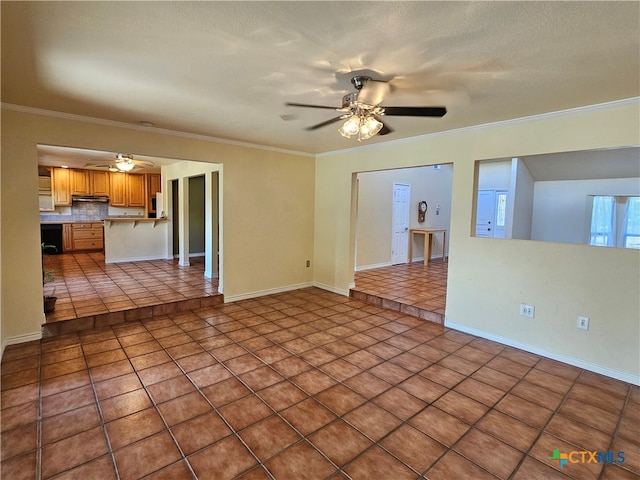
(48, 276)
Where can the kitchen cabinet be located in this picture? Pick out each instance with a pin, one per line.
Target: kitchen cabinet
(136, 192)
(127, 189)
(89, 182)
(82, 236)
(67, 237)
(117, 191)
(45, 190)
(61, 186)
(99, 183)
(154, 185)
(80, 182)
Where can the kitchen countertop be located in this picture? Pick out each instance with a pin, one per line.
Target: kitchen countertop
(134, 220)
(60, 222)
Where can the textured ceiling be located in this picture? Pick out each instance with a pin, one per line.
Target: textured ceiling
(226, 69)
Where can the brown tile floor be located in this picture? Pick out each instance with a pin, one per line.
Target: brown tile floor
(416, 289)
(86, 286)
(304, 384)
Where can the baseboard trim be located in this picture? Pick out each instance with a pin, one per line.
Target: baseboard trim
(28, 337)
(262, 293)
(364, 268)
(135, 259)
(332, 289)
(576, 362)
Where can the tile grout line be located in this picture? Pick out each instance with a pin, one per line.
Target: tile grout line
(100, 415)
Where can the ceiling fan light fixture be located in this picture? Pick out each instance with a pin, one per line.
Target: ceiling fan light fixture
(369, 127)
(124, 163)
(362, 124)
(350, 127)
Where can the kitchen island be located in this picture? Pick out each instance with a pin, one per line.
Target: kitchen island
(132, 238)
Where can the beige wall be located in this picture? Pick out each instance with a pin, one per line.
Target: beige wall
(268, 205)
(488, 279)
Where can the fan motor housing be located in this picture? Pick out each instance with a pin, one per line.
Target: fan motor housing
(349, 99)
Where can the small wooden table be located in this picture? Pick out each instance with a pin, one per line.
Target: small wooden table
(428, 237)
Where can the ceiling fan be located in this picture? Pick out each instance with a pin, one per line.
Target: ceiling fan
(123, 163)
(362, 110)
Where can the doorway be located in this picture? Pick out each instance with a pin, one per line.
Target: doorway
(491, 216)
(400, 223)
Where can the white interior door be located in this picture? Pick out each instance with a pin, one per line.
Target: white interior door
(485, 213)
(400, 220)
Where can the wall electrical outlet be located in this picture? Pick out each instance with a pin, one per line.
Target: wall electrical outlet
(308, 263)
(528, 311)
(583, 323)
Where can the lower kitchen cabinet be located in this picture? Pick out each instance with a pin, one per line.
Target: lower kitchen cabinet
(82, 236)
(67, 237)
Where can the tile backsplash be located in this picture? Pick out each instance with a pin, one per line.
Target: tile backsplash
(79, 212)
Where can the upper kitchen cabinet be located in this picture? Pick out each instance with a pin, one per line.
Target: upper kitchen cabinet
(136, 189)
(45, 189)
(61, 186)
(80, 182)
(118, 189)
(89, 182)
(154, 185)
(127, 189)
(100, 183)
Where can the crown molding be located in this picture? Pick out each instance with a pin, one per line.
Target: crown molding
(163, 131)
(485, 126)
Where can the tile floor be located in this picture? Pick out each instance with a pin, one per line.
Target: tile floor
(304, 384)
(415, 289)
(86, 286)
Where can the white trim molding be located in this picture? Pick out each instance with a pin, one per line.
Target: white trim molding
(576, 362)
(373, 266)
(28, 337)
(262, 293)
(136, 259)
(339, 291)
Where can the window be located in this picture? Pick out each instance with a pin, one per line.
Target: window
(615, 221)
(631, 231)
(602, 221)
(501, 214)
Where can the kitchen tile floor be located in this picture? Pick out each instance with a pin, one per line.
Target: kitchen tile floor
(304, 385)
(86, 286)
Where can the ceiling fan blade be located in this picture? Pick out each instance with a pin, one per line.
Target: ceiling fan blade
(289, 104)
(415, 111)
(386, 129)
(324, 124)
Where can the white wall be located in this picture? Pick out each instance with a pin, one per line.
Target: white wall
(494, 175)
(520, 204)
(561, 209)
(375, 199)
(135, 241)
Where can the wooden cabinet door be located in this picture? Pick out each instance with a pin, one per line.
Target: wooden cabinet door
(80, 182)
(155, 184)
(136, 191)
(118, 189)
(100, 183)
(67, 237)
(61, 186)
